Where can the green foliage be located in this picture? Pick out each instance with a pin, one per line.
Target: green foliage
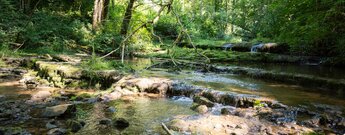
(313, 133)
(310, 27)
(83, 111)
(2, 63)
(96, 63)
(258, 103)
(166, 28)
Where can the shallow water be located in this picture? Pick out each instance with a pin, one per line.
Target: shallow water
(146, 115)
(288, 94)
(143, 114)
(321, 71)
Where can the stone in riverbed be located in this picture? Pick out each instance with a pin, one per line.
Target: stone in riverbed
(51, 124)
(202, 109)
(111, 96)
(57, 131)
(13, 131)
(40, 96)
(111, 109)
(121, 123)
(75, 126)
(105, 121)
(60, 110)
(203, 101)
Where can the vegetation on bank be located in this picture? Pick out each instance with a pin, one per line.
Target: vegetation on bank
(308, 27)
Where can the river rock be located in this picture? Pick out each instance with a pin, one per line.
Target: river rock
(75, 126)
(202, 109)
(111, 109)
(203, 101)
(57, 131)
(51, 124)
(111, 96)
(149, 85)
(314, 122)
(121, 123)
(105, 121)
(40, 96)
(13, 131)
(59, 110)
(226, 111)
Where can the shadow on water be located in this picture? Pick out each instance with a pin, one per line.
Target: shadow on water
(144, 115)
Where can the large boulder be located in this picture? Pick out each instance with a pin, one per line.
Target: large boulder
(66, 110)
(149, 85)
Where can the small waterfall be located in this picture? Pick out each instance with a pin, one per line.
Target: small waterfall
(227, 46)
(255, 48)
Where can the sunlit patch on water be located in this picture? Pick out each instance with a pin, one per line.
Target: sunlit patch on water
(213, 78)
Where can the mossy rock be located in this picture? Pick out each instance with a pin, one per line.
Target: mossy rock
(203, 101)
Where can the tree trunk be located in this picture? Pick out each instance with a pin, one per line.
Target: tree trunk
(127, 18)
(25, 6)
(125, 24)
(99, 12)
(105, 9)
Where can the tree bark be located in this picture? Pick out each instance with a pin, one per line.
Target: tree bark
(127, 18)
(99, 12)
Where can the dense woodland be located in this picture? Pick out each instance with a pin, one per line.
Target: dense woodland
(309, 27)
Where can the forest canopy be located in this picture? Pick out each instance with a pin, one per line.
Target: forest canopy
(309, 27)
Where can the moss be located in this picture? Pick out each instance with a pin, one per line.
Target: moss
(2, 63)
(225, 56)
(313, 133)
(194, 106)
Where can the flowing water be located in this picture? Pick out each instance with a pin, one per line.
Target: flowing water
(146, 115)
(288, 94)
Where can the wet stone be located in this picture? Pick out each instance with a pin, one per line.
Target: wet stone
(59, 110)
(203, 101)
(105, 121)
(51, 124)
(121, 123)
(202, 109)
(111, 109)
(57, 131)
(75, 126)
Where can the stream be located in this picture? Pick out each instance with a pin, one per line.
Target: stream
(145, 115)
(292, 95)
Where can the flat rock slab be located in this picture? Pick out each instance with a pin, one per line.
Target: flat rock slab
(229, 124)
(59, 110)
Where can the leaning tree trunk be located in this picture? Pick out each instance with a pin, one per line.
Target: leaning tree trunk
(99, 12)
